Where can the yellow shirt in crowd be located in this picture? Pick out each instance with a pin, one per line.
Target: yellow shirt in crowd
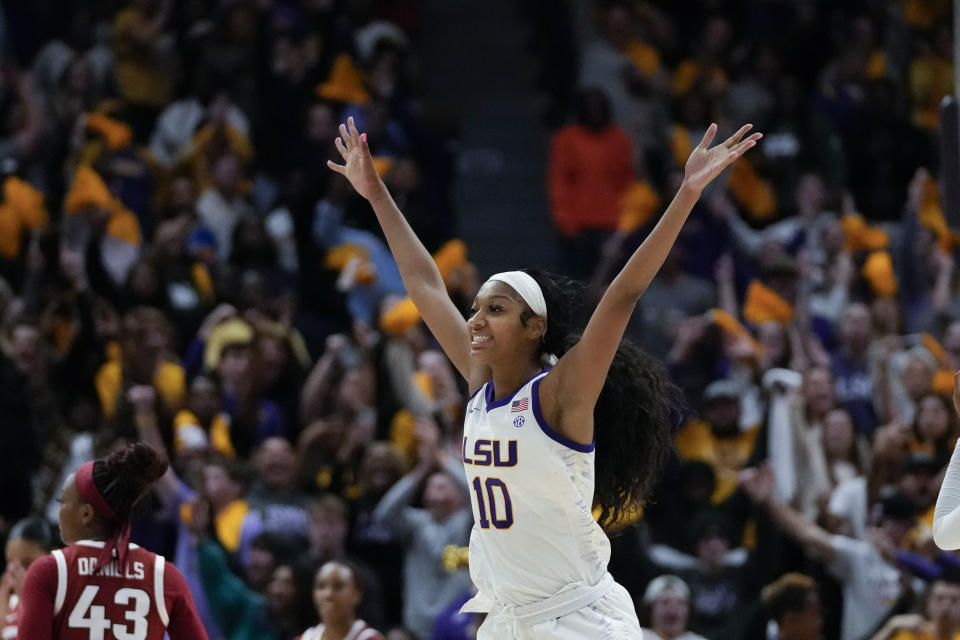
(727, 456)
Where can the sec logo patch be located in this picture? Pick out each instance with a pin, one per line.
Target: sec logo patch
(518, 421)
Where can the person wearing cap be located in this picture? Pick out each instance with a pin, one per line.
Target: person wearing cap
(920, 480)
(229, 351)
(872, 584)
(666, 606)
(717, 439)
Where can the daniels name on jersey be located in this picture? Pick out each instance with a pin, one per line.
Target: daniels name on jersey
(133, 571)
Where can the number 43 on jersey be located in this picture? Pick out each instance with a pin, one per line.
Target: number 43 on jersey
(86, 615)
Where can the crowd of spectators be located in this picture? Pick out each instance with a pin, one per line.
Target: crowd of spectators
(178, 266)
(808, 309)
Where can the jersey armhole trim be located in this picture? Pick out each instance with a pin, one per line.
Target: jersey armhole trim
(474, 394)
(61, 580)
(158, 566)
(550, 433)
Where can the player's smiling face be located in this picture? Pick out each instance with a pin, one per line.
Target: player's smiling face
(496, 328)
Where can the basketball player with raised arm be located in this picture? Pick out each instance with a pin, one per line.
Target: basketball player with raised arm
(543, 446)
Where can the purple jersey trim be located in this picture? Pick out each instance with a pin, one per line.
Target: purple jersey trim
(495, 404)
(474, 394)
(553, 435)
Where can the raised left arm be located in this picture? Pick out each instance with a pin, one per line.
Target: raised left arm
(568, 394)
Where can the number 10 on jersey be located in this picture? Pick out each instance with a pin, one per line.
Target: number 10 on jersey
(487, 503)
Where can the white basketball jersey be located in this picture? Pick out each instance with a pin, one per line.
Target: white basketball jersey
(532, 492)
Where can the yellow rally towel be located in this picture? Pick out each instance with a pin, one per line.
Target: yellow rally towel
(450, 256)
(943, 378)
(340, 256)
(124, 226)
(637, 206)
(930, 215)
(680, 144)
(858, 236)
(10, 232)
(403, 424)
(878, 270)
(382, 164)
(344, 83)
(684, 75)
(107, 382)
(22, 209)
(117, 134)
(733, 327)
(202, 280)
(26, 200)
(455, 558)
(87, 191)
(228, 523)
(401, 433)
(170, 381)
(188, 432)
(645, 57)
(400, 318)
(750, 191)
(765, 305)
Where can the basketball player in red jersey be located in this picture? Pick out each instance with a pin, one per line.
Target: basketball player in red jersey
(102, 587)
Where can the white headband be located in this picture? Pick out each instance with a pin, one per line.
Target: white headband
(527, 287)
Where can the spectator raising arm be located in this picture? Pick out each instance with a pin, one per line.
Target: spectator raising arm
(758, 483)
(393, 506)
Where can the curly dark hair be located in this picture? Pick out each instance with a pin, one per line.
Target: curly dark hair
(126, 476)
(635, 414)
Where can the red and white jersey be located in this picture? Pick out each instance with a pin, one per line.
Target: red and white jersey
(359, 631)
(9, 626)
(66, 598)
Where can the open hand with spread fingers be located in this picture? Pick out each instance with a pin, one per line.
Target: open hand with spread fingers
(706, 163)
(357, 165)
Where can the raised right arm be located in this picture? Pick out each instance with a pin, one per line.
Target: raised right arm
(420, 274)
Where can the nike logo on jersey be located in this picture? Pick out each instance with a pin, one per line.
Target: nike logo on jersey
(487, 453)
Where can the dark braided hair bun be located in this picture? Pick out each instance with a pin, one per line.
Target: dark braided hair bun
(127, 475)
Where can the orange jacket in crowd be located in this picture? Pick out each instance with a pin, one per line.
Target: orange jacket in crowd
(589, 174)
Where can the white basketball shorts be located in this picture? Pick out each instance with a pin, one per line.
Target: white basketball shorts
(612, 617)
